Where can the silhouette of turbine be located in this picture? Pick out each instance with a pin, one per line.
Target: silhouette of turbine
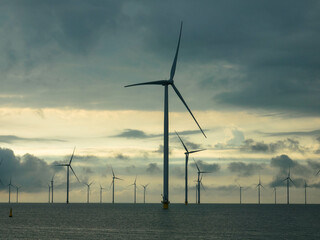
(134, 184)
(112, 183)
(101, 188)
(258, 186)
(288, 179)
(144, 192)
(88, 190)
(199, 181)
(166, 83)
(186, 167)
(52, 189)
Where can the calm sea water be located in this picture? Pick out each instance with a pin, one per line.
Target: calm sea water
(150, 221)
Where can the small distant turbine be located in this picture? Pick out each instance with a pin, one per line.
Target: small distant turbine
(144, 192)
(134, 190)
(112, 183)
(68, 165)
(88, 190)
(305, 191)
(275, 195)
(9, 185)
(240, 189)
(288, 179)
(165, 84)
(199, 181)
(258, 186)
(17, 188)
(49, 193)
(186, 167)
(101, 188)
(52, 189)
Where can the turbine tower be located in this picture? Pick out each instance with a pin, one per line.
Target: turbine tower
(240, 188)
(9, 185)
(17, 188)
(288, 179)
(275, 195)
(0, 178)
(49, 193)
(305, 191)
(68, 165)
(88, 190)
(199, 181)
(52, 189)
(144, 192)
(101, 188)
(186, 167)
(166, 83)
(134, 190)
(258, 186)
(112, 183)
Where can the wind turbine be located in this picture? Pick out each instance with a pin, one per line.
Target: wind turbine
(49, 193)
(199, 181)
(9, 185)
(275, 195)
(88, 190)
(101, 188)
(288, 179)
(52, 189)
(0, 178)
(258, 186)
(186, 167)
(305, 191)
(17, 199)
(166, 83)
(144, 192)
(68, 165)
(112, 183)
(134, 190)
(240, 188)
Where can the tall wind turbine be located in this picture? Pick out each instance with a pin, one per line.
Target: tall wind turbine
(49, 193)
(275, 195)
(134, 190)
(166, 83)
(112, 183)
(9, 185)
(17, 188)
(186, 167)
(258, 186)
(240, 188)
(52, 189)
(144, 192)
(88, 190)
(305, 191)
(288, 179)
(199, 181)
(68, 165)
(101, 188)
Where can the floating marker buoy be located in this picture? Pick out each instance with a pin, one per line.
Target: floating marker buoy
(10, 215)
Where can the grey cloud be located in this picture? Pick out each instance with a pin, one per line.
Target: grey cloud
(160, 150)
(318, 139)
(121, 156)
(130, 169)
(153, 169)
(245, 169)
(13, 138)
(139, 134)
(208, 167)
(296, 133)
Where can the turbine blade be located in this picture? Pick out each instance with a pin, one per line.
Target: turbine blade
(182, 142)
(292, 182)
(64, 165)
(202, 186)
(72, 155)
(118, 178)
(196, 165)
(205, 172)
(111, 184)
(317, 172)
(197, 150)
(185, 104)
(112, 171)
(91, 183)
(159, 82)
(262, 186)
(174, 64)
(74, 173)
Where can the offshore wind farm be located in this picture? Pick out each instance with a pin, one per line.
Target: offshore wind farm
(239, 93)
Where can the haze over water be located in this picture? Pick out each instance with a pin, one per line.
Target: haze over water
(150, 221)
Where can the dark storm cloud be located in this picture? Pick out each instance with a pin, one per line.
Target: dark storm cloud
(28, 171)
(153, 169)
(12, 138)
(260, 147)
(245, 169)
(207, 167)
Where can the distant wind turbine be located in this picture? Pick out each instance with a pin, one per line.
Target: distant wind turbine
(305, 191)
(288, 179)
(199, 181)
(258, 186)
(112, 183)
(166, 83)
(9, 185)
(68, 165)
(186, 167)
(275, 195)
(52, 189)
(88, 190)
(134, 190)
(101, 188)
(17, 188)
(49, 193)
(144, 192)
(240, 188)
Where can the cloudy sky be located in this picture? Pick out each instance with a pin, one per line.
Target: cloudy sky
(249, 71)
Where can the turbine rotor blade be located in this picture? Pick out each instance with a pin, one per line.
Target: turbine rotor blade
(202, 186)
(182, 142)
(292, 182)
(112, 172)
(174, 64)
(74, 173)
(118, 178)
(197, 150)
(185, 104)
(72, 155)
(196, 165)
(159, 82)
(64, 165)
(317, 172)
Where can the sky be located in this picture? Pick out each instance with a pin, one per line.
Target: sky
(248, 70)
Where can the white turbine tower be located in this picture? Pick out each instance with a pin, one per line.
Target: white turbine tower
(166, 83)
(68, 165)
(112, 183)
(134, 190)
(101, 188)
(88, 190)
(288, 179)
(186, 167)
(199, 181)
(144, 192)
(258, 186)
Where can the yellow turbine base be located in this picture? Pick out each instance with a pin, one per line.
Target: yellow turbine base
(165, 205)
(10, 214)
(186, 203)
